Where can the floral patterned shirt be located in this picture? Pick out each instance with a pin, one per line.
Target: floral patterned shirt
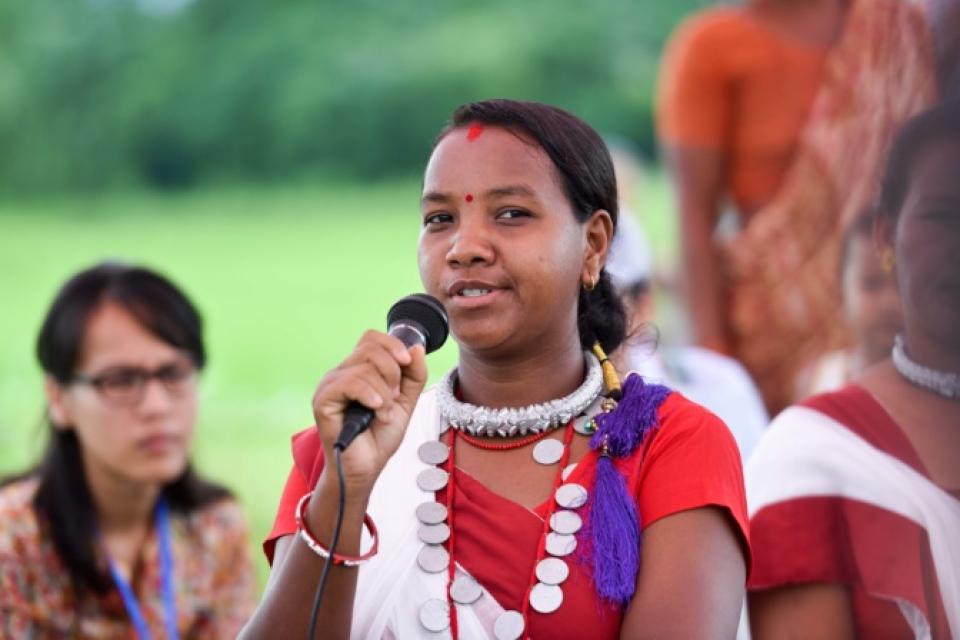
(213, 574)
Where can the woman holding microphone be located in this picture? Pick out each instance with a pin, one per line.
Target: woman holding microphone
(511, 499)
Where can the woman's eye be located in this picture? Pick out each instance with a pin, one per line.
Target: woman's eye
(123, 379)
(436, 218)
(513, 214)
(939, 215)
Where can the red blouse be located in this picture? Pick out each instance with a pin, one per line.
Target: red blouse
(690, 461)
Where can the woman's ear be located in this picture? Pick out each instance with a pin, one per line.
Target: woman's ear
(57, 404)
(599, 235)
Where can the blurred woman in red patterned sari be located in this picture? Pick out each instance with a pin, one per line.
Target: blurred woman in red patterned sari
(785, 109)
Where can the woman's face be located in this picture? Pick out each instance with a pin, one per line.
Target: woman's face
(500, 245)
(927, 245)
(134, 436)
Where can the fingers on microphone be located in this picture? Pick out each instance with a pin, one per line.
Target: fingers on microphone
(391, 344)
(359, 382)
(367, 374)
(414, 378)
(382, 361)
(417, 369)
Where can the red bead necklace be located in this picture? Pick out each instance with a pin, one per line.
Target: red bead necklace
(483, 443)
(551, 508)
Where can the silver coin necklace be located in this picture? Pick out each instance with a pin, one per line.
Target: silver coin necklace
(437, 532)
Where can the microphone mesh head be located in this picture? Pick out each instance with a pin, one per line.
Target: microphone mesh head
(426, 311)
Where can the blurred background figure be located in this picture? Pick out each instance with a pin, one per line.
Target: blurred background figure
(854, 495)
(782, 110)
(113, 534)
(871, 311)
(711, 379)
(707, 377)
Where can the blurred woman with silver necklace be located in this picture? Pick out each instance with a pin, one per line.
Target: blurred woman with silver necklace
(872, 472)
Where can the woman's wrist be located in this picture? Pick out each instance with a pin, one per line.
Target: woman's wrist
(356, 491)
(320, 513)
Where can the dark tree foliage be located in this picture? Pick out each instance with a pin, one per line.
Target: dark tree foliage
(99, 93)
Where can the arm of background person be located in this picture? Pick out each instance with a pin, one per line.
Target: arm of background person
(697, 177)
(815, 611)
(692, 576)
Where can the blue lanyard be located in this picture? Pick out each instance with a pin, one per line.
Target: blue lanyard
(162, 520)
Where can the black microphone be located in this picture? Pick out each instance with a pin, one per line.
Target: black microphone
(415, 319)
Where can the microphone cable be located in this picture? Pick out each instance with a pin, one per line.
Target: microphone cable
(414, 319)
(322, 584)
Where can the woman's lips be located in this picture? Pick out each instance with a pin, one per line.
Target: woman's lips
(159, 444)
(475, 297)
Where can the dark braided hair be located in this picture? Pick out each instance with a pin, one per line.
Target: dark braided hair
(586, 172)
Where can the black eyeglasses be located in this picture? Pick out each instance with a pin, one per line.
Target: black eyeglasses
(126, 385)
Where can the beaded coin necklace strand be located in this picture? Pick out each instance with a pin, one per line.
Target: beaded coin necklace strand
(557, 539)
(543, 592)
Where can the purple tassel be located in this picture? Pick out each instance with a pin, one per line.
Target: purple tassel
(614, 529)
(613, 524)
(625, 427)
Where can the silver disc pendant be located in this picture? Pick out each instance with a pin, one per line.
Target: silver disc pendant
(465, 590)
(585, 426)
(508, 625)
(560, 544)
(433, 533)
(546, 598)
(570, 495)
(433, 452)
(435, 615)
(566, 521)
(567, 470)
(433, 558)
(431, 513)
(548, 451)
(552, 571)
(432, 479)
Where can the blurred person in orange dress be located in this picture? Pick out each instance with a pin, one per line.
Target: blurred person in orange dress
(854, 495)
(784, 109)
(113, 534)
(871, 309)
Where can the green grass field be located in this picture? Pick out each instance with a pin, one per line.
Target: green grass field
(287, 278)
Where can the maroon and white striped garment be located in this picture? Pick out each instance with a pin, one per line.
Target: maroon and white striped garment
(837, 494)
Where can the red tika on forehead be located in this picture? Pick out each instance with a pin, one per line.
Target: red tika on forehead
(469, 197)
(474, 131)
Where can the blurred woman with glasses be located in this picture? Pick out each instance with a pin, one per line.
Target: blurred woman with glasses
(113, 532)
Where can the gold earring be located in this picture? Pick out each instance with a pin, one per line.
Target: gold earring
(887, 261)
(591, 285)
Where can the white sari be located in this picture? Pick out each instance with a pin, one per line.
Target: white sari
(806, 453)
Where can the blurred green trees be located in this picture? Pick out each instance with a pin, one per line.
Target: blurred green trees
(100, 93)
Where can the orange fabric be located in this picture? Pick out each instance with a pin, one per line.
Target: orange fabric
(730, 83)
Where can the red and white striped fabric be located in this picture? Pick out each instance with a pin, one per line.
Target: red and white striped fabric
(837, 494)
